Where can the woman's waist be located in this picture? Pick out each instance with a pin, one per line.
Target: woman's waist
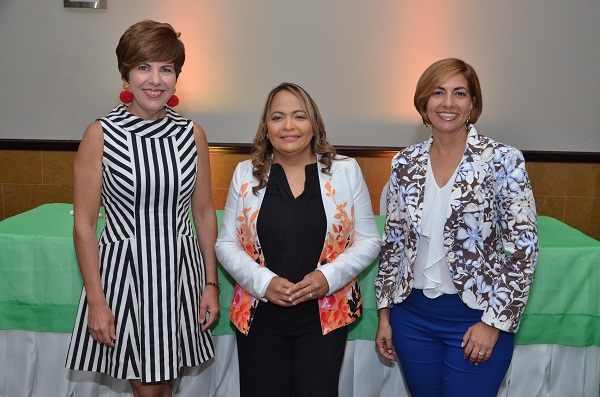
(114, 231)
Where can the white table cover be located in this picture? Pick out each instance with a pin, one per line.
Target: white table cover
(32, 365)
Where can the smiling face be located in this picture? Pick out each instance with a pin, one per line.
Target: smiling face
(289, 129)
(450, 105)
(152, 85)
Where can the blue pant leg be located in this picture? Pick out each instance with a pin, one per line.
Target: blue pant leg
(420, 352)
(427, 334)
(463, 379)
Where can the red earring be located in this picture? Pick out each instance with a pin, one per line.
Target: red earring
(126, 96)
(173, 101)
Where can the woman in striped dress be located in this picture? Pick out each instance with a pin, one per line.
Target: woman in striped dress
(150, 286)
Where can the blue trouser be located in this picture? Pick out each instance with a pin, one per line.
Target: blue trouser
(427, 335)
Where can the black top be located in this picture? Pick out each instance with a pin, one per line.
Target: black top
(292, 229)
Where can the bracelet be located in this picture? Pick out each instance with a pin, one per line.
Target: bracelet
(216, 285)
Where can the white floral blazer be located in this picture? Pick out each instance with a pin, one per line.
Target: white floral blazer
(490, 234)
(351, 244)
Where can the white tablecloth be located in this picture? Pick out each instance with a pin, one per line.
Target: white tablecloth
(32, 365)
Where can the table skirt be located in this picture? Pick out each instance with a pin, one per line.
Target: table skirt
(32, 365)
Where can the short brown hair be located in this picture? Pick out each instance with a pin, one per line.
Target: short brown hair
(436, 74)
(149, 41)
(262, 150)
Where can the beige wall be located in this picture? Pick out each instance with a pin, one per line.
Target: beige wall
(569, 192)
(360, 64)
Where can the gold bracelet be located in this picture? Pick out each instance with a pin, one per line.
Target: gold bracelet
(216, 285)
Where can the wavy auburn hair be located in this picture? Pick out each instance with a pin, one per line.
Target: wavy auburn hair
(149, 41)
(262, 151)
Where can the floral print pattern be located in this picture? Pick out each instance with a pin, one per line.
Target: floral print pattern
(490, 234)
(345, 305)
(336, 310)
(243, 305)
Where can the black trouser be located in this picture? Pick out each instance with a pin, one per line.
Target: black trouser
(286, 354)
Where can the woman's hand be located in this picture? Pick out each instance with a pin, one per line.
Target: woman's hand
(277, 291)
(101, 324)
(479, 342)
(383, 338)
(313, 286)
(209, 305)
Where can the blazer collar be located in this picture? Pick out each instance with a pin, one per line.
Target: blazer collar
(474, 147)
(478, 150)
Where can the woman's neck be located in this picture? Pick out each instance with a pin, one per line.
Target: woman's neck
(449, 144)
(446, 154)
(294, 167)
(294, 161)
(145, 115)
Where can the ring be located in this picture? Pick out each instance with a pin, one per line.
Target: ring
(310, 294)
(481, 354)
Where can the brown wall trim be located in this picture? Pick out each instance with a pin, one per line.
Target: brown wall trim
(354, 151)
(39, 144)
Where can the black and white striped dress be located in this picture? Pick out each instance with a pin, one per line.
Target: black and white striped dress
(150, 261)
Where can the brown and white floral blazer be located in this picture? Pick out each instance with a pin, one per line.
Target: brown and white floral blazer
(490, 234)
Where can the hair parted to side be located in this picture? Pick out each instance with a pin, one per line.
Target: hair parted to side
(262, 151)
(436, 74)
(149, 41)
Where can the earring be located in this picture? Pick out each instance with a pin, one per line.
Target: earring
(173, 101)
(468, 123)
(425, 125)
(126, 96)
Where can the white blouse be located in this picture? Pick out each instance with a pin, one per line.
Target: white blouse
(432, 274)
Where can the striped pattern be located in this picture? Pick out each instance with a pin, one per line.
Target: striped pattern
(150, 261)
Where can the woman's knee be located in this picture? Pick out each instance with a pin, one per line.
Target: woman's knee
(154, 389)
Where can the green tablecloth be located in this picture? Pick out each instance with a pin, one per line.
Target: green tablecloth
(40, 282)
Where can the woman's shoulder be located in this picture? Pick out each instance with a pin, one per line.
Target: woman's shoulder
(245, 164)
(92, 142)
(244, 167)
(340, 159)
(341, 162)
(242, 174)
(117, 113)
(494, 150)
(94, 131)
(406, 155)
(176, 118)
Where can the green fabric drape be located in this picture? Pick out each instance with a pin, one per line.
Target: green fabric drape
(40, 282)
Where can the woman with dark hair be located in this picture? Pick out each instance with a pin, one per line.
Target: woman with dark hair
(150, 286)
(297, 229)
(459, 247)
